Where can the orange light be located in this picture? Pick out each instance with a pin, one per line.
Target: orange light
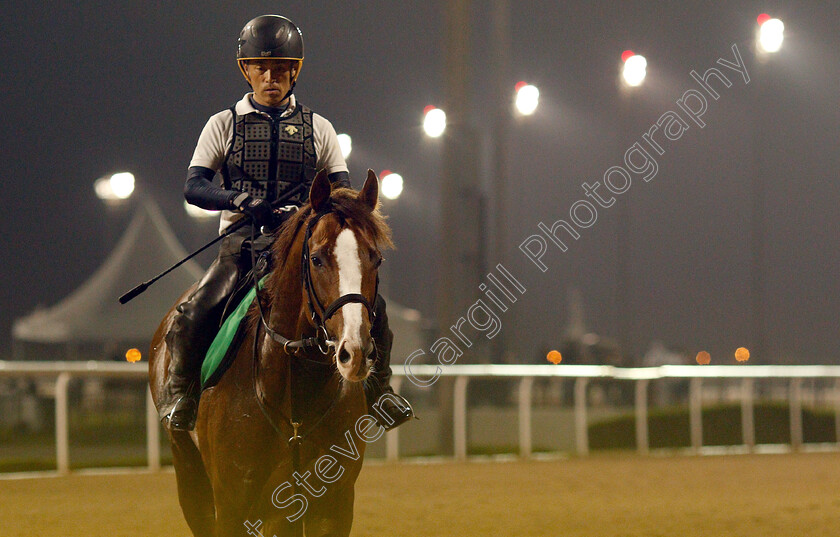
(554, 357)
(627, 54)
(742, 354)
(133, 355)
(703, 358)
(764, 17)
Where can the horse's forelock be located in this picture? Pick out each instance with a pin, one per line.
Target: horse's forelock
(346, 203)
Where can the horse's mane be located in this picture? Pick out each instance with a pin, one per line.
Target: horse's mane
(343, 202)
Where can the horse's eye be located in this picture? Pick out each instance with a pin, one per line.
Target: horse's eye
(378, 261)
(316, 261)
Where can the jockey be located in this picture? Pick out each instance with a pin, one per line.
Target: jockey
(263, 147)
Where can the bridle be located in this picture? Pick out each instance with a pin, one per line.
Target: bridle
(320, 319)
(320, 315)
(322, 341)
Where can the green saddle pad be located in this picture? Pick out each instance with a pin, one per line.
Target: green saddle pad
(222, 345)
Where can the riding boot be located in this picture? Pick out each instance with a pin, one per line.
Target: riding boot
(388, 408)
(191, 333)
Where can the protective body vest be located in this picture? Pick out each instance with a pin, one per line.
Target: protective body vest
(269, 156)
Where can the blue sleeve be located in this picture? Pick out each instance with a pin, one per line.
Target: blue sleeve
(199, 190)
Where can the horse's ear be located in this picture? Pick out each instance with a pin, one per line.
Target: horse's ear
(319, 193)
(370, 192)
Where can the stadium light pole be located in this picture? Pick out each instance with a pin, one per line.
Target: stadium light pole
(632, 75)
(501, 113)
(769, 37)
(525, 101)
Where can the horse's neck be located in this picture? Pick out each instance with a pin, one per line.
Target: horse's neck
(287, 300)
(311, 384)
(288, 314)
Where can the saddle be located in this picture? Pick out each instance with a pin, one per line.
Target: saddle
(225, 346)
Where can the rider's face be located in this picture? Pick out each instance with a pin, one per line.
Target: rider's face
(271, 80)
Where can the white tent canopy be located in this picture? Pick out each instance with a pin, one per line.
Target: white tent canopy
(92, 313)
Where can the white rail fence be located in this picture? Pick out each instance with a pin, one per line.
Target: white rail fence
(63, 372)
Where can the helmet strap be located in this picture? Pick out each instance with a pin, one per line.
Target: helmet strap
(289, 93)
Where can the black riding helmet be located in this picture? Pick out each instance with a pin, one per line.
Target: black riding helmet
(270, 36)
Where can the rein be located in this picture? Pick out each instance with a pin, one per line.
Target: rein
(296, 439)
(316, 343)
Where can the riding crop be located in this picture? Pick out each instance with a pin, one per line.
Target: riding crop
(230, 229)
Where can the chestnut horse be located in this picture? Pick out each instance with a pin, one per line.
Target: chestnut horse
(274, 450)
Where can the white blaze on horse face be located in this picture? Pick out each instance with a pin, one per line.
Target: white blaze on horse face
(349, 281)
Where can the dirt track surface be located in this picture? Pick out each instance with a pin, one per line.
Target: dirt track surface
(743, 496)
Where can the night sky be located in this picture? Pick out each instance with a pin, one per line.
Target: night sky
(90, 88)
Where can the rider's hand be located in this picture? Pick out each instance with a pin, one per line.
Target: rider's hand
(259, 210)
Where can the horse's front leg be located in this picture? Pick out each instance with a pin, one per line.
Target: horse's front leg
(194, 491)
(279, 508)
(234, 500)
(242, 508)
(240, 454)
(331, 515)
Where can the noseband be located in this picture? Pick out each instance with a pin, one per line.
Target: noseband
(322, 340)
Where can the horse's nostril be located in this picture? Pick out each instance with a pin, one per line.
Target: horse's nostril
(343, 356)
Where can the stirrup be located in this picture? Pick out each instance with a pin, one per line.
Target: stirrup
(183, 415)
(390, 414)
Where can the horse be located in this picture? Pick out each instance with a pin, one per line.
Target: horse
(273, 452)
